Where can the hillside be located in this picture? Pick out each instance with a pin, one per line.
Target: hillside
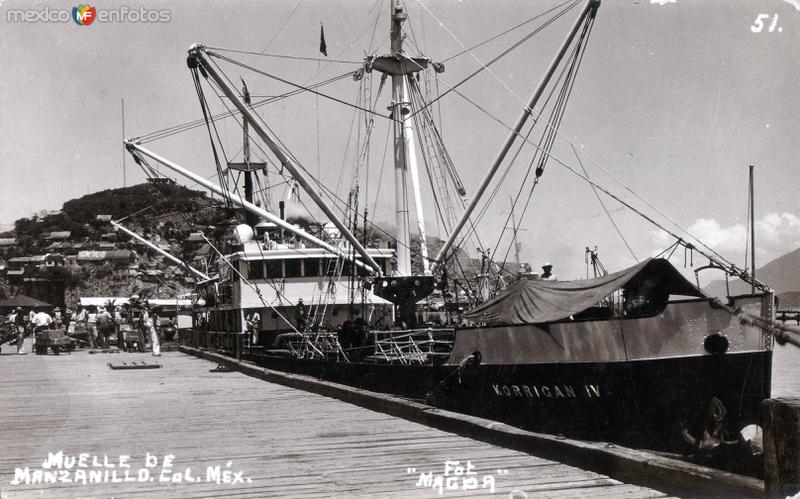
(781, 274)
(62, 255)
(95, 260)
(789, 300)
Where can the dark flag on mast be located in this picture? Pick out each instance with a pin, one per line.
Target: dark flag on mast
(323, 47)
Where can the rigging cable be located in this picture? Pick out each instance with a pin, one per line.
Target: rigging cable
(608, 213)
(535, 120)
(509, 30)
(485, 67)
(204, 106)
(190, 125)
(594, 162)
(292, 84)
(553, 124)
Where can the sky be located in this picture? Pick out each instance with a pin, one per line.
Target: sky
(672, 102)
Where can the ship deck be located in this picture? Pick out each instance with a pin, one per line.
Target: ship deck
(276, 441)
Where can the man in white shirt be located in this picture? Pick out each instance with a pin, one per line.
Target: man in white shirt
(148, 320)
(41, 321)
(254, 325)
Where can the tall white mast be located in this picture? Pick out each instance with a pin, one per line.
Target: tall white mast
(399, 109)
(400, 66)
(410, 154)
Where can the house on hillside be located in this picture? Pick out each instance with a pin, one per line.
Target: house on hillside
(91, 257)
(49, 260)
(60, 235)
(7, 244)
(58, 246)
(18, 263)
(116, 257)
(120, 257)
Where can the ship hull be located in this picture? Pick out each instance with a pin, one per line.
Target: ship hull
(644, 403)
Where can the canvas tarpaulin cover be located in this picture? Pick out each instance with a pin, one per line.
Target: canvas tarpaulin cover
(537, 301)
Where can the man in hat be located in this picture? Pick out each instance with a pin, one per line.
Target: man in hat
(547, 273)
(300, 315)
(57, 317)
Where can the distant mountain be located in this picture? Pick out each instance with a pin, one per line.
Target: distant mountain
(789, 300)
(781, 274)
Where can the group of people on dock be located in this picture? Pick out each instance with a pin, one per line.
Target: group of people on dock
(100, 323)
(33, 322)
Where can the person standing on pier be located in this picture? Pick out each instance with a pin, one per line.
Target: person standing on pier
(105, 325)
(17, 319)
(91, 326)
(148, 322)
(83, 318)
(254, 325)
(117, 328)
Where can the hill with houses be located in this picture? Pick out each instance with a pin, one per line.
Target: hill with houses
(61, 255)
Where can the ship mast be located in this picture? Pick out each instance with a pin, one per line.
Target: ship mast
(400, 67)
(248, 174)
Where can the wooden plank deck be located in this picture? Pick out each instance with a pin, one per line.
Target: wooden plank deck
(285, 442)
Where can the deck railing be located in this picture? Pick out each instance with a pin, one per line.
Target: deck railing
(409, 346)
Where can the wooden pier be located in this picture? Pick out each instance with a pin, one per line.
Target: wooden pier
(273, 440)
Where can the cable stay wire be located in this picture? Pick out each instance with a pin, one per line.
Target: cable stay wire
(290, 83)
(572, 67)
(518, 151)
(605, 209)
(283, 56)
(338, 202)
(509, 30)
(619, 182)
(485, 67)
(190, 125)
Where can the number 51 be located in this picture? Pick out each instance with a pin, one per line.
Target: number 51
(758, 24)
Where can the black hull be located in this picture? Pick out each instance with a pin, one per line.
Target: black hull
(643, 403)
